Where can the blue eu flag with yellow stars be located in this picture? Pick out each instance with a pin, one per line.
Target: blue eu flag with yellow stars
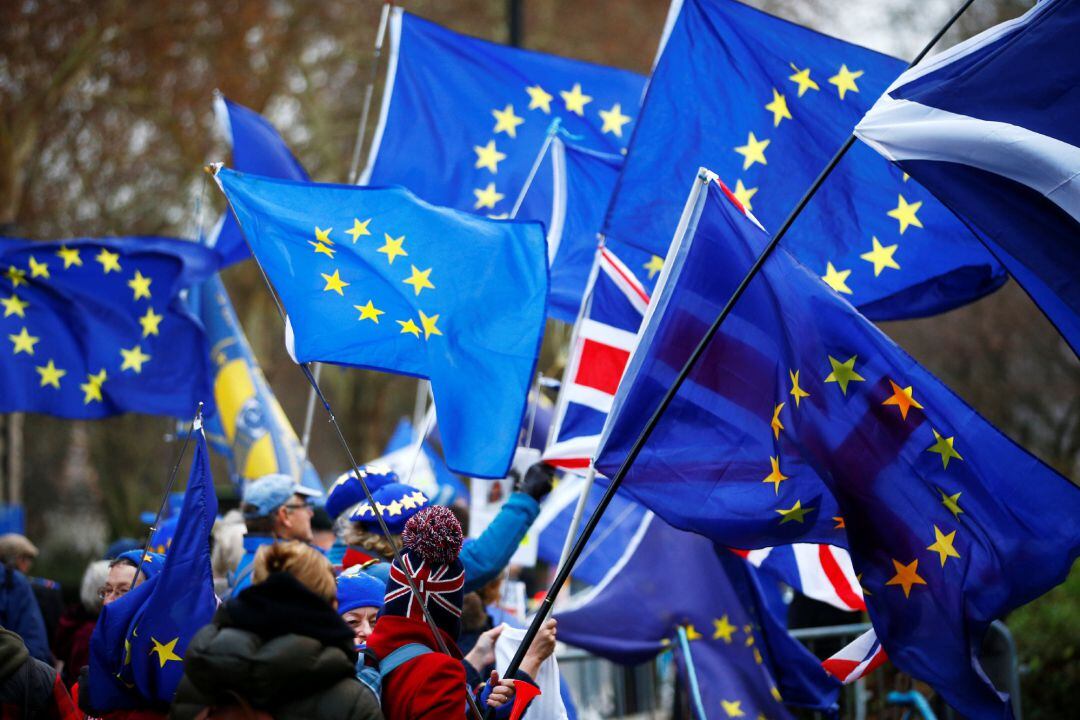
(765, 103)
(463, 119)
(802, 417)
(95, 327)
(376, 278)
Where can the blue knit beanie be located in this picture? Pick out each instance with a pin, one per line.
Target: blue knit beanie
(357, 589)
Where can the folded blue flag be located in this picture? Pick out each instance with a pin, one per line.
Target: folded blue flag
(257, 148)
(989, 126)
(463, 119)
(377, 278)
(802, 417)
(429, 472)
(95, 327)
(766, 103)
(745, 662)
(250, 429)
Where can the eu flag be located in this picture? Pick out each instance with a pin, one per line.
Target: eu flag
(376, 278)
(803, 419)
(745, 662)
(464, 119)
(95, 327)
(766, 103)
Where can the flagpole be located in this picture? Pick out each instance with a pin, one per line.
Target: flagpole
(552, 131)
(691, 673)
(579, 512)
(369, 89)
(564, 572)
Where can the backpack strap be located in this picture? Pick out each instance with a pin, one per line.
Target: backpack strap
(400, 656)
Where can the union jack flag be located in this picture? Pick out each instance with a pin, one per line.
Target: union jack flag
(433, 585)
(862, 656)
(821, 572)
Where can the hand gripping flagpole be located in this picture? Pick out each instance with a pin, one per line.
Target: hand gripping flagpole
(635, 450)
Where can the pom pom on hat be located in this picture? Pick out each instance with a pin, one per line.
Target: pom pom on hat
(434, 534)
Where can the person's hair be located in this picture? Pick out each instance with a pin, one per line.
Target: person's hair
(95, 575)
(258, 525)
(122, 561)
(491, 593)
(228, 535)
(304, 563)
(374, 543)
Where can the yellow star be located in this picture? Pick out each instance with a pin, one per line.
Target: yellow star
(335, 283)
(70, 256)
(392, 248)
(722, 628)
(506, 121)
(38, 269)
(775, 477)
(407, 502)
(843, 373)
(902, 398)
(795, 513)
(776, 425)
(905, 214)
(110, 261)
(429, 325)
(321, 247)
(951, 503)
(150, 322)
(133, 358)
(654, 266)
(778, 107)
(575, 100)
(14, 306)
(165, 651)
(733, 708)
(692, 633)
(539, 99)
(776, 694)
(881, 256)
(840, 524)
(488, 156)
(140, 285)
(487, 197)
(845, 80)
(943, 446)
(359, 229)
(906, 576)
(323, 236)
(836, 279)
(23, 342)
(743, 194)
(394, 508)
(92, 387)
(753, 151)
(802, 79)
(797, 392)
(408, 326)
(16, 276)
(369, 312)
(943, 545)
(50, 374)
(614, 120)
(419, 279)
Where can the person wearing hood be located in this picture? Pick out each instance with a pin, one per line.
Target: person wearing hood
(30, 688)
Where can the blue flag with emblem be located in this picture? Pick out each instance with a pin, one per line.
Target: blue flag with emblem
(744, 661)
(463, 119)
(376, 278)
(802, 417)
(766, 103)
(95, 327)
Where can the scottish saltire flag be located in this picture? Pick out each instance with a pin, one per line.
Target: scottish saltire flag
(257, 148)
(821, 572)
(95, 327)
(463, 120)
(989, 126)
(802, 418)
(250, 429)
(746, 664)
(766, 103)
(377, 278)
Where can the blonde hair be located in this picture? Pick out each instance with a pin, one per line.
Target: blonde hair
(304, 563)
(374, 543)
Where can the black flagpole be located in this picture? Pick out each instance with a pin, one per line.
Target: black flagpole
(579, 545)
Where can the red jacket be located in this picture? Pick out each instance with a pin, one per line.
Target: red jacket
(428, 687)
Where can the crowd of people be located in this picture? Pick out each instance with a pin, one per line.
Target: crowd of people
(344, 609)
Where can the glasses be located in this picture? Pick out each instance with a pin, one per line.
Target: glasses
(299, 506)
(107, 591)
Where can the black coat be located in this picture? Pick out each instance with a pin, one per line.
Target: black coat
(26, 683)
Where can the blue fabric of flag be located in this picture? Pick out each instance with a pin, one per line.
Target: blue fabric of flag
(376, 278)
(989, 127)
(802, 418)
(250, 429)
(257, 148)
(745, 660)
(765, 103)
(463, 119)
(450, 485)
(95, 327)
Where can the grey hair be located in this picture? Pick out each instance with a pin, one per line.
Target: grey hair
(228, 546)
(95, 575)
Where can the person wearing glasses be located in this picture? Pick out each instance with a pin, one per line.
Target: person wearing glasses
(275, 507)
(122, 573)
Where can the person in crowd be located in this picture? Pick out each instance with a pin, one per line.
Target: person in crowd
(227, 547)
(17, 551)
(19, 612)
(275, 508)
(30, 688)
(322, 530)
(431, 684)
(129, 570)
(71, 643)
(359, 600)
(278, 648)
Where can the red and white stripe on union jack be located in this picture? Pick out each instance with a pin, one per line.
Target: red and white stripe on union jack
(433, 586)
(862, 656)
(821, 572)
